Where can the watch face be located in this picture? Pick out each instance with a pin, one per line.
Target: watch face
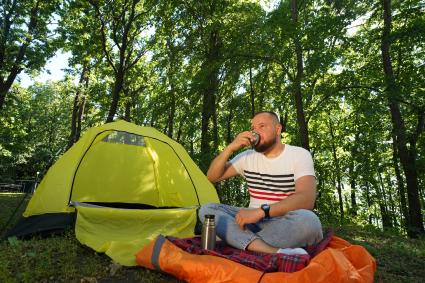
(266, 208)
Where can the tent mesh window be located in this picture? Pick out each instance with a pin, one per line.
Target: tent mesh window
(125, 138)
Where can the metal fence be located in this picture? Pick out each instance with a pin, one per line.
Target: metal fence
(19, 186)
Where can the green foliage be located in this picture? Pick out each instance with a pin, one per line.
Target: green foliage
(27, 39)
(233, 192)
(34, 129)
(25, 23)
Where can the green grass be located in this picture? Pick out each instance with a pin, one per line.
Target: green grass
(62, 258)
(398, 258)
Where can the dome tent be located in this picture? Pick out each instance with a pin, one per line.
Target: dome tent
(122, 185)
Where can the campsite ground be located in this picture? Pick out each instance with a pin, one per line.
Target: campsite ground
(62, 259)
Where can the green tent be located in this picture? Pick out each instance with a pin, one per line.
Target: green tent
(122, 185)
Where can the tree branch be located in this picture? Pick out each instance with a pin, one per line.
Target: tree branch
(419, 128)
(102, 29)
(7, 24)
(17, 65)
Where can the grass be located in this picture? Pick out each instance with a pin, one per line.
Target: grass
(62, 258)
(398, 258)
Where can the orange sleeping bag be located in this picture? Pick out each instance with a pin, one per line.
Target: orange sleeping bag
(339, 262)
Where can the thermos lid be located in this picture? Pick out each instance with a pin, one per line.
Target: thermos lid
(209, 216)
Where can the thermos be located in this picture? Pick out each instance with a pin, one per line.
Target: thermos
(208, 232)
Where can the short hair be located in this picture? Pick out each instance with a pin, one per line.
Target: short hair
(271, 113)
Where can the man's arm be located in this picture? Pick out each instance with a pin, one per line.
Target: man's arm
(220, 169)
(303, 198)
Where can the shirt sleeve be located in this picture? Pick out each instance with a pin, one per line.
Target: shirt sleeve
(239, 162)
(303, 164)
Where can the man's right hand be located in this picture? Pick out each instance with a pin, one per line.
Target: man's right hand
(220, 168)
(243, 139)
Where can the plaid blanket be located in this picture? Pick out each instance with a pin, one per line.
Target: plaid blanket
(261, 261)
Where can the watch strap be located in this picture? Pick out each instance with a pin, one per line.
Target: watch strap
(266, 209)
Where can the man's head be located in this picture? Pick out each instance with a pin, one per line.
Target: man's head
(266, 123)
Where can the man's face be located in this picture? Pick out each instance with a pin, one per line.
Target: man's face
(268, 128)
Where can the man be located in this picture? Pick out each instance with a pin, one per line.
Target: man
(282, 187)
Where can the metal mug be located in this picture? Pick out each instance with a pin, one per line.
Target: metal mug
(256, 139)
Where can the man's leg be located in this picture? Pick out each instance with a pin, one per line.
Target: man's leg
(226, 226)
(295, 229)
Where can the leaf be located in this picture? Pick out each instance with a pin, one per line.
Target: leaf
(13, 241)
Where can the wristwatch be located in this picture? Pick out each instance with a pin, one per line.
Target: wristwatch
(266, 208)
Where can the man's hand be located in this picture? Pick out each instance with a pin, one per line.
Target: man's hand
(248, 216)
(220, 169)
(243, 139)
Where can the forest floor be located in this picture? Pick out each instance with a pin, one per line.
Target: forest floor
(62, 258)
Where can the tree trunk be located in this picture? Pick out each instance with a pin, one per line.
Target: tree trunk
(80, 118)
(338, 171)
(368, 202)
(400, 184)
(171, 112)
(128, 104)
(171, 71)
(82, 107)
(119, 79)
(229, 122)
(352, 174)
(283, 121)
(391, 203)
(179, 131)
(262, 89)
(215, 131)
(383, 204)
(75, 107)
(76, 110)
(16, 68)
(407, 159)
(209, 89)
(252, 93)
(302, 123)
(208, 107)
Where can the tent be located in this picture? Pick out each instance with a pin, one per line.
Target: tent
(122, 185)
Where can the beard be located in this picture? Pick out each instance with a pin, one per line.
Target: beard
(265, 146)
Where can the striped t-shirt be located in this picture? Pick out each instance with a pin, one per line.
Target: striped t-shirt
(270, 180)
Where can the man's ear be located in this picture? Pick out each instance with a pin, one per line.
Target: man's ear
(278, 129)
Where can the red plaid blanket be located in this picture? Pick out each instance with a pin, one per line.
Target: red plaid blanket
(261, 261)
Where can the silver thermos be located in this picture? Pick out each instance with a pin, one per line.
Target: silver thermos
(208, 232)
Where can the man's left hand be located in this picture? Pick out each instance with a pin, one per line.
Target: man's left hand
(248, 216)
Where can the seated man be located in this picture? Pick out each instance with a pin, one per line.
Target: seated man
(282, 187)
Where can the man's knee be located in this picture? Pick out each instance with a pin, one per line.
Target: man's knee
(309, 222)
(205, 209)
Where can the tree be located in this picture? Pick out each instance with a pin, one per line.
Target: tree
(34, 128)
(407, 157)
(121, 25)
(26, 39)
